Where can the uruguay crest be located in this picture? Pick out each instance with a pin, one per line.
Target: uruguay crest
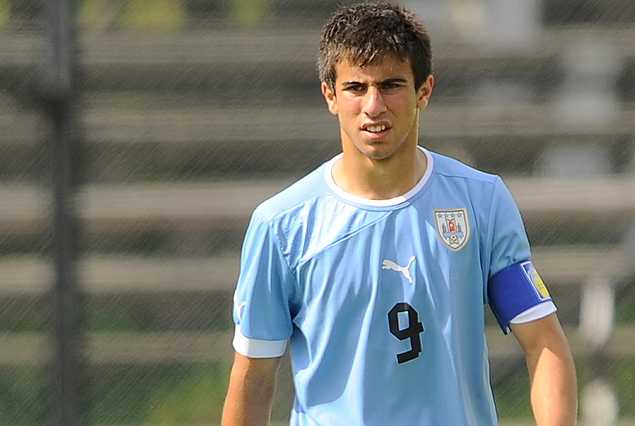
(453, 227)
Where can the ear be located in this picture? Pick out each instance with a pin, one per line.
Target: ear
(424, 92)
(331, 99)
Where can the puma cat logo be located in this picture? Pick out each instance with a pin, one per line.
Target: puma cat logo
(389, 264)
(238, 307)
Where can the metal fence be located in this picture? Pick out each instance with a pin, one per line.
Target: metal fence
(138, 135)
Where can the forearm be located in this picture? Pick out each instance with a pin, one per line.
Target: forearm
(250, 393)
(553, 387)
(552, 371)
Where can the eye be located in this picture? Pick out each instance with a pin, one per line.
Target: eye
(390, 86)
(355, 88)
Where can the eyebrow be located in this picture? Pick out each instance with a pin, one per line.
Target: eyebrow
(387, 81)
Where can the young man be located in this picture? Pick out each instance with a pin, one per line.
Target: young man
(376, 266)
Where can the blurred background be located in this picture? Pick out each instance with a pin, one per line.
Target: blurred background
(136, 137)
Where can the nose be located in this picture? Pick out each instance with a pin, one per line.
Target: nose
(373, 102)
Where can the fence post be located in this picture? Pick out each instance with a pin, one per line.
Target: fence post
(58, 93)
(599, 403)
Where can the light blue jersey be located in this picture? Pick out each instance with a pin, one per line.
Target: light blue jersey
(382, 301)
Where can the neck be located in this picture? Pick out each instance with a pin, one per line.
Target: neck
(379, 179)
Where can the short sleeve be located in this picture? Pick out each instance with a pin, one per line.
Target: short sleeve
(514, 286)
(265, 287)
(509, 239)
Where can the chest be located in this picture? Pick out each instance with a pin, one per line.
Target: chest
(431, 259)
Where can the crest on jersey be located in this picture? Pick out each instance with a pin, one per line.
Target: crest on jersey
(453, 227)
(538, 285)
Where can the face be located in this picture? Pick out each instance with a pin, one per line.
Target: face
(378, 107)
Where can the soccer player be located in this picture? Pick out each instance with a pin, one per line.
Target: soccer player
(376, 266)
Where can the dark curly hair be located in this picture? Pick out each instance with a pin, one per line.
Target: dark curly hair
(365, 33)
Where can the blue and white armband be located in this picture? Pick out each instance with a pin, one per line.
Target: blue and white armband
(517, 294)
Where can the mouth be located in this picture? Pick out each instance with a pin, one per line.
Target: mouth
(375, 128)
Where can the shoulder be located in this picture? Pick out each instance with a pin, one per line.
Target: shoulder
(452, 179)
(292, 218)
(450, 168)
(452, 175)
(306, 190)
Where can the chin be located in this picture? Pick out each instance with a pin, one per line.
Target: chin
(378, 155)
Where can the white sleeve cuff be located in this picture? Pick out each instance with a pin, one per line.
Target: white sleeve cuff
(535, 312)
(256, 348)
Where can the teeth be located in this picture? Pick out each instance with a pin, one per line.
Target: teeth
(375, 129)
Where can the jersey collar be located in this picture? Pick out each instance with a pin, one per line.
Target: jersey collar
(328, 176)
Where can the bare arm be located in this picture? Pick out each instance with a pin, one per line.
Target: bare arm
(551, 371)
(252, 384)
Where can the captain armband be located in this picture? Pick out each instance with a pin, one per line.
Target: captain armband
(516, 290)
